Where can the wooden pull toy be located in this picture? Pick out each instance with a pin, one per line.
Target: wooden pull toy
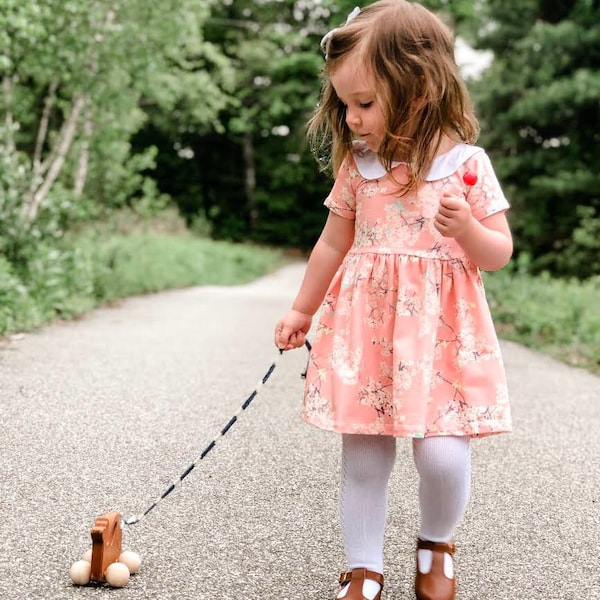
(106, 562)
(107, 539)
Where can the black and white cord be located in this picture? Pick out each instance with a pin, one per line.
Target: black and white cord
(137, 518)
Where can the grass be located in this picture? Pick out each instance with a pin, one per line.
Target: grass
(148, 263)
(558, 317)
(92, 269)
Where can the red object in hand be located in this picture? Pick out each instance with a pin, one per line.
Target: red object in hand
(470, 178)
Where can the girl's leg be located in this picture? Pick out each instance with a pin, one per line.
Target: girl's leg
(367, 462)
(444, 466)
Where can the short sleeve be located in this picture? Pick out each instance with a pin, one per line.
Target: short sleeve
(342, 198)
(485, 196)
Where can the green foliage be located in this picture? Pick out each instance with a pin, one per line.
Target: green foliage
(540, 110)
(232, 177)
(78, 81)
(59, 282)
(143, 263)
(17, 309)
(56, 284)
(290, 199)
(13, 184)
(110, 106)
(555, 316)
(255, 179)
(585, 245)
(95, 267)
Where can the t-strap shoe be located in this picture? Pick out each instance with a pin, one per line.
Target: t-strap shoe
(354, 580)
(435, 584)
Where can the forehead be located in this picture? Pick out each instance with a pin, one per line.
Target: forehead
(352, 78)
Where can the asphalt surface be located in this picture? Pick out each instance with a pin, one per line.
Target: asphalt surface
(102, 413)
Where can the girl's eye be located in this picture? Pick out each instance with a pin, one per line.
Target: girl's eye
(365, 104)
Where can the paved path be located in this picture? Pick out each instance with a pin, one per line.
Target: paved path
(102, 413)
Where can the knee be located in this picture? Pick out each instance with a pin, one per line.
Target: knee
(368, 459)
(442, 457)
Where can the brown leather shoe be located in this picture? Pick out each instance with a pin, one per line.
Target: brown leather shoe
(355, 579)
(435, 585)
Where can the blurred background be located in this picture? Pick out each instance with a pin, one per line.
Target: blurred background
(141, 143)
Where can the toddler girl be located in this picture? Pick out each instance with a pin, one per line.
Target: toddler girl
(405, 345)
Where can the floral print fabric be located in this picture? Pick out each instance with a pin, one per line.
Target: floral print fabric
(405, 343)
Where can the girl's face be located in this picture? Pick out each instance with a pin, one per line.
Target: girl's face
(355, 87)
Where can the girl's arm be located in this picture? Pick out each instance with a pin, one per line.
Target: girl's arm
(488, 243)
(329, 251)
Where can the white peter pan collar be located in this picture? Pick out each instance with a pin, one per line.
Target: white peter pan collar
(370, 167)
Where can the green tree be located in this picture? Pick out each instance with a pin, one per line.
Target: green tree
(256, 177)
(539, 105)
(246, 175)
(77, 78)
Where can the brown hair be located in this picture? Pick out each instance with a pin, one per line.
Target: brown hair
(410, 53)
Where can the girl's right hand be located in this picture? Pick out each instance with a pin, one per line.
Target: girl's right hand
(291, 330)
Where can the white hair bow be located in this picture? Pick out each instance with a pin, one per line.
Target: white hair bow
(329, 34)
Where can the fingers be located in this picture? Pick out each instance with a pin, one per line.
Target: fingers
(448, 225)
(440, 223)
(453, 215)
(445, 213)
(291, 330)
(287, 340)
(451, 204)
(280, 342)
(445, 216)
(297, 339)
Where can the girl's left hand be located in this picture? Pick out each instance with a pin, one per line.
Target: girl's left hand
(453, 216)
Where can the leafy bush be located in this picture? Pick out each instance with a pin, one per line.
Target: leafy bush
(81, 271)
(582, 253)
(59, 281)
(144, 262)
(558, 316)
(14, 294)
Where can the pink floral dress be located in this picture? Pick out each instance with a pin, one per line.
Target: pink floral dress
(405, 344)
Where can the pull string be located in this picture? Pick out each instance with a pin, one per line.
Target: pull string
(136, 519)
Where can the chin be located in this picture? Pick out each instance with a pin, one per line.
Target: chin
(370, 144)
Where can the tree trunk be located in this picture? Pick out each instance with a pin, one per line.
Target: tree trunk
(43, 128)
(7, 86)
(250, 179)
(84, 152)
(32, 204)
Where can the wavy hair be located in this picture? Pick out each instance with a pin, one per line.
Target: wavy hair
(410, 53)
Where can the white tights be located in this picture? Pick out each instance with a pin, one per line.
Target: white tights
(444, 467)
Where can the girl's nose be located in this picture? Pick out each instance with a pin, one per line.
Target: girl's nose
(352, 118)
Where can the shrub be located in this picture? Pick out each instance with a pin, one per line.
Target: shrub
(557, 316)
